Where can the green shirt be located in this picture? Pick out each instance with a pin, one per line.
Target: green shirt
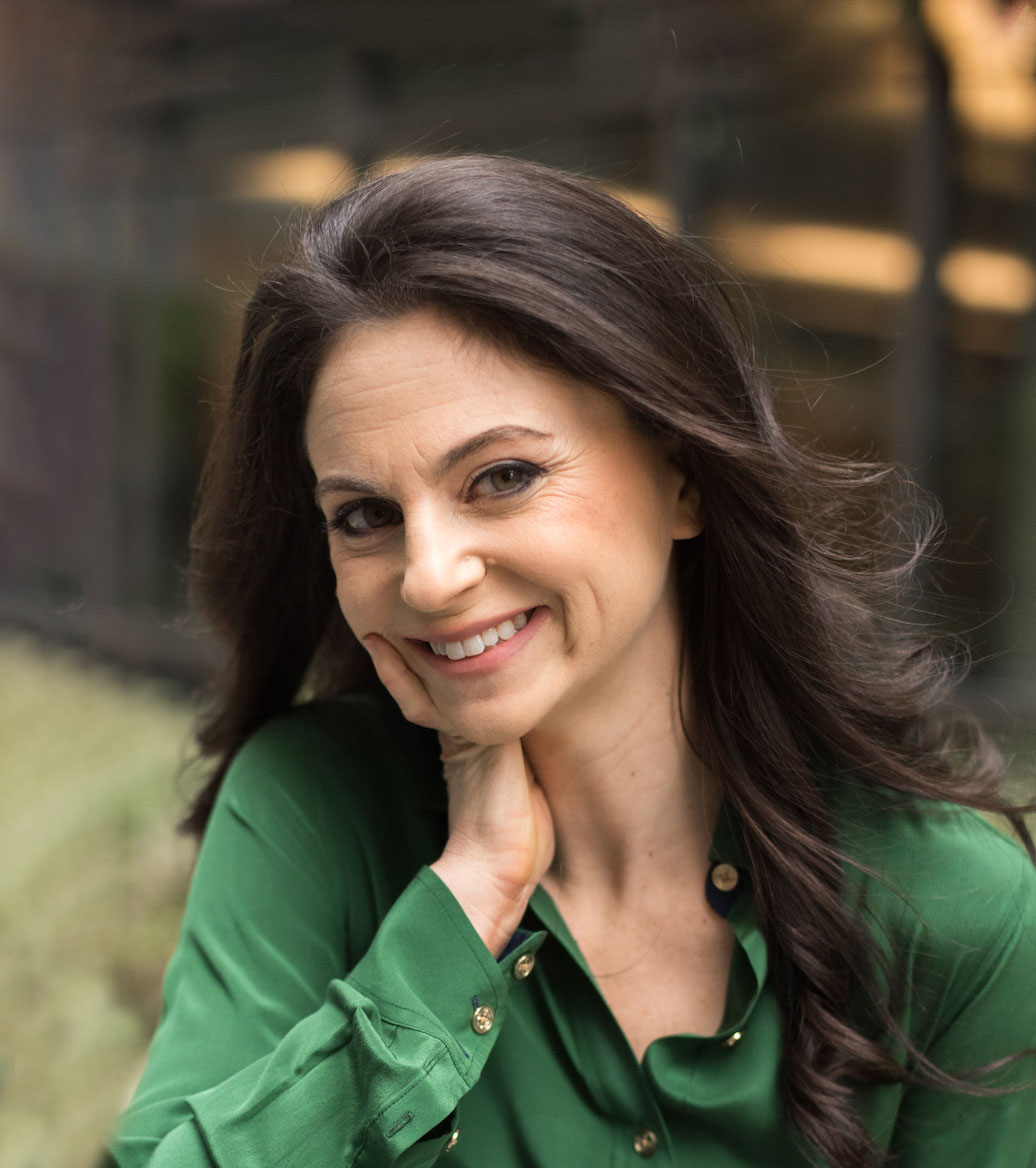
(326, 1004)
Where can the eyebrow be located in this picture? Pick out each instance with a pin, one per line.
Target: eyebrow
(446, 463)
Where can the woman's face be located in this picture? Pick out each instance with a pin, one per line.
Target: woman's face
(502, 526)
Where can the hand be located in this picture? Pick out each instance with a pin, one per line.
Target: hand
(501, 833)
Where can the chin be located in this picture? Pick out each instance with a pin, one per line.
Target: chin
(490, 724)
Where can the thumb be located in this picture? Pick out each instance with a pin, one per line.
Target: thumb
(403, 684)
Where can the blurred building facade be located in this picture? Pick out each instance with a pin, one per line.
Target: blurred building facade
(867, 164)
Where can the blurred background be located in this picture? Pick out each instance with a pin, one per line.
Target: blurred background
(868, 165)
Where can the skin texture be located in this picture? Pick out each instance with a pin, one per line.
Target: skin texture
(462, 486)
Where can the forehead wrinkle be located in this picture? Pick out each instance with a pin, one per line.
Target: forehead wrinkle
(364, 392)
(363, 453)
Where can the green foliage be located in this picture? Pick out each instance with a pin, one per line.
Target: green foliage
(92, 882)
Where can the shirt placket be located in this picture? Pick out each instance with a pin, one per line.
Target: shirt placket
(598, 1048)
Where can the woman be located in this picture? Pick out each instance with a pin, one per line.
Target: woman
(690, 889)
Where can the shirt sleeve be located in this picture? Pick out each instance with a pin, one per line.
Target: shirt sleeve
(988, 1017)
(279, 1046)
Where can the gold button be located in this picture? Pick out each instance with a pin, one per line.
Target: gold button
(523, 966)
(645, 1142)
(733, 1040)
(454, 1137)
(725, 877)
(482, 1020)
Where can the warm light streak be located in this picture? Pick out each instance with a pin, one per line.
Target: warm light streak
(651, 206)
(881, 263)
(995, 281)
(991, 55)
(826, 254)
(395, 164)
(306, 175)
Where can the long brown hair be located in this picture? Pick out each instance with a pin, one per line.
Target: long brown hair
(793, 596)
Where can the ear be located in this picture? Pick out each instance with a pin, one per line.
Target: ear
(687, 520)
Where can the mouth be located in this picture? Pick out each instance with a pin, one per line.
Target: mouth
(484, 641)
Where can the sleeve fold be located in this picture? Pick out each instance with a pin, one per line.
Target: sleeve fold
(389, 1054)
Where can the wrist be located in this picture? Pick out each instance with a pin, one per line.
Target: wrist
(494, 908)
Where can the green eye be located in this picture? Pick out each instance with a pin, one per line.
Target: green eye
(365, 515)
(370, 514)
(507, 478)
(504, 478)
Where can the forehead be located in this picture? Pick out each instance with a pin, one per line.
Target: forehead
(419, 375)
(383, 364)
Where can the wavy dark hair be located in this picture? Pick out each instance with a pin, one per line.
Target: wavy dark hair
(793, 596)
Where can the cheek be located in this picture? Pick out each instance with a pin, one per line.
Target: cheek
(347, 604)
(601, 549)
(620, 541)
(360, 590)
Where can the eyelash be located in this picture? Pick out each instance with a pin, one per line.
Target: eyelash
(339, 522)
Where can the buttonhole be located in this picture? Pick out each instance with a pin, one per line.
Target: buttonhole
(400, 1123)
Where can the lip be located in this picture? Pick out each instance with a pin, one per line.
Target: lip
(492, 658)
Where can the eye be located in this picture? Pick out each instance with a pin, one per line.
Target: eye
(364, 516)
(506, 478)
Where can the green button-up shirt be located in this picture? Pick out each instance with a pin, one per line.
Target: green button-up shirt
(329, 1003)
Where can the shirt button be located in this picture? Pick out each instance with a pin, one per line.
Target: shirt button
(482, 1020)
(733, 1040)
(645, 1142)
(725, 877)
(454, 1137)
(523, 966)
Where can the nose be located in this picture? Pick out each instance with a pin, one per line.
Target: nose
(441, 564)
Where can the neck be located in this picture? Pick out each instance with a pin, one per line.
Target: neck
(632, 804)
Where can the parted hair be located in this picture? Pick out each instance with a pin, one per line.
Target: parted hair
(805, 664)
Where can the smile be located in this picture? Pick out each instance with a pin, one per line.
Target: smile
(475, 645)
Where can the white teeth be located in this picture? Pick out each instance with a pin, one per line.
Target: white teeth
(480, 642)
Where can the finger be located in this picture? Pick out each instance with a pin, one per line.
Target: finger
(406, 688)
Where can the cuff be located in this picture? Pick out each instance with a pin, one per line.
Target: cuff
(429, 968)
(396, 1045)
